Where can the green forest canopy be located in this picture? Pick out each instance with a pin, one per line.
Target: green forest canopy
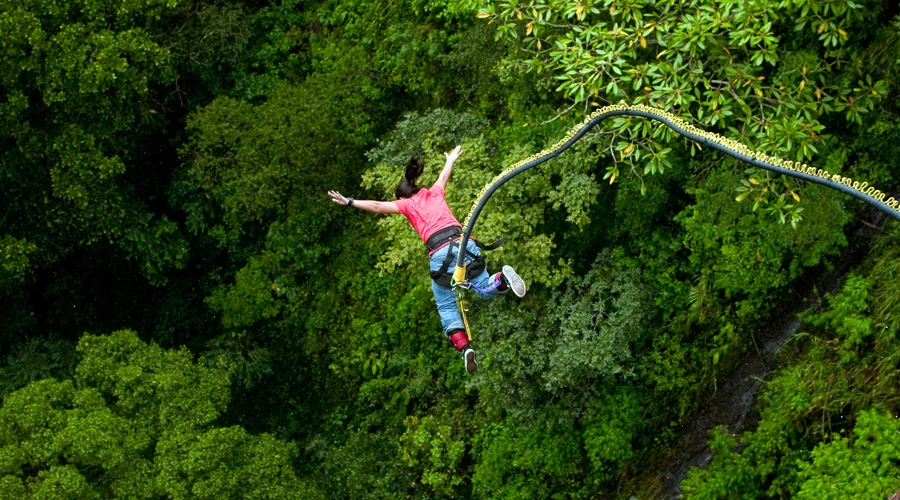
(187, 315)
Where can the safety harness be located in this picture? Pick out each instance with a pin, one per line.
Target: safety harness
(443, 276)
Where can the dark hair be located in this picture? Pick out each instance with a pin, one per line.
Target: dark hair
(407, 187)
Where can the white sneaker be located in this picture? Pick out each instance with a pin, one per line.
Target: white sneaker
(513, 281)
(469, 360)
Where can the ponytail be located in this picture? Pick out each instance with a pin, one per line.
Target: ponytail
(407, 187)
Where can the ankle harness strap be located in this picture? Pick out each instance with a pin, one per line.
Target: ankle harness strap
(459, 339)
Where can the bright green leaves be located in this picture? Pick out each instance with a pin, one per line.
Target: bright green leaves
(152, 386)
(81, 61)
(49, 424)
(606, 310)
(228, 462)
(865, 467)
(575, 193)
(749, 69)
(758, 191)
(847, 317)
(610, 430)
(583, 335)
(771, 463)
(136, 423)
(516, 462)
(257, 163)
(250, 299)
(26, 415)
(57, 482)
(769, 453)
(840, 376)
(435, 446)
(744, 252)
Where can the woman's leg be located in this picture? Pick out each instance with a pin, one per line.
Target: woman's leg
(487, 284)
(453, 325)
(445, 300)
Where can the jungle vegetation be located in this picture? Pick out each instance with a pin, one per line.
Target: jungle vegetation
(186, 314)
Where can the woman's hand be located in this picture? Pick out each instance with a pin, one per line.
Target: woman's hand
(448, 167)
(453, 155)
(338, 198)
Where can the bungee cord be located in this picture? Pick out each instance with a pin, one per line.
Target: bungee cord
(860, 190)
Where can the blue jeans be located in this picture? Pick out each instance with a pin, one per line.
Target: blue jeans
(445, 299)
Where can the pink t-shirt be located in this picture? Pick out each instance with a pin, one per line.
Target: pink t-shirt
(427, 211)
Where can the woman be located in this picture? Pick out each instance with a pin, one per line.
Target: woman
(430, 216)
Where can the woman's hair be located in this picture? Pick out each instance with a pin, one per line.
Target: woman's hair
(407, 187)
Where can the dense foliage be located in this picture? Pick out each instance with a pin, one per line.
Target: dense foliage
(828, 424)
(188, 315)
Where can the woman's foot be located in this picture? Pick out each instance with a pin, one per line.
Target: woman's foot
(469, 359)
(513, 281)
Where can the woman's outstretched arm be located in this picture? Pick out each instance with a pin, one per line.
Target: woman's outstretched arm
(378, 207)
(448, 167)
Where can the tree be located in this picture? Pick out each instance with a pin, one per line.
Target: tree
(771, 74)
(137, 421)
(865, 467)
(822, 429)
(76, 79)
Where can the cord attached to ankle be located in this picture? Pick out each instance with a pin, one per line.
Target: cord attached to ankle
(459, 339)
